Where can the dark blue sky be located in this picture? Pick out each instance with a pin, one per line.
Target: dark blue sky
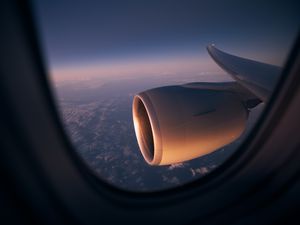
(85, 32)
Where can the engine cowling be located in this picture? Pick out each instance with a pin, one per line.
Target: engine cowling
(177, 123)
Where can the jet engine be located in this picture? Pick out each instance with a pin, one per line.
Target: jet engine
(178, 123)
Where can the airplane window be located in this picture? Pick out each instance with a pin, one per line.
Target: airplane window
(155, 94)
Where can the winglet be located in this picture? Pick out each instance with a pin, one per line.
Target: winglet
(257, 77)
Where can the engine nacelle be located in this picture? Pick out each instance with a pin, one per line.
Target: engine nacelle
(177, 123)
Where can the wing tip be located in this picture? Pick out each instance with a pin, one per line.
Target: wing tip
(211, 48)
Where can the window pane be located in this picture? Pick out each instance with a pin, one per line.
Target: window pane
(100, 54)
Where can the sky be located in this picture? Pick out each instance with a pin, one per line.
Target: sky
(86, 39)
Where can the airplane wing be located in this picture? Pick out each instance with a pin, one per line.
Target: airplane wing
(259, 78)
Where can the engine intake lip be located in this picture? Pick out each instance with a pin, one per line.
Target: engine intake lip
(146, 129)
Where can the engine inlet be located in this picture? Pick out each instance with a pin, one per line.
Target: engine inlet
(143, 129)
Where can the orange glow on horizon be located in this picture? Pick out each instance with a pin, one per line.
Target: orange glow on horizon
(134, 68)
